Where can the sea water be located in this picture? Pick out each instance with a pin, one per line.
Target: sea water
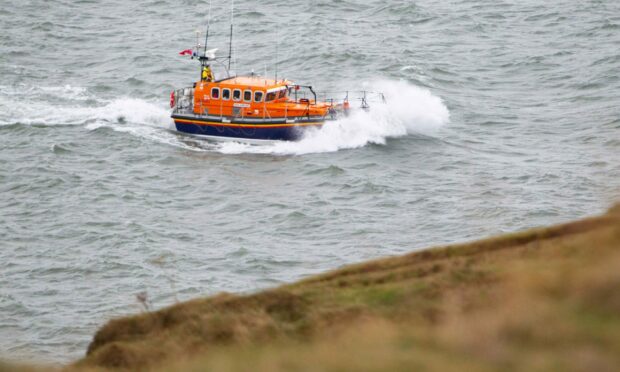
(499, 116)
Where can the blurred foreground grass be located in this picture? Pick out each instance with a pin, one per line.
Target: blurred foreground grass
(545, 299)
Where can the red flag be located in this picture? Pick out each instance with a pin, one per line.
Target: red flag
(186, 52)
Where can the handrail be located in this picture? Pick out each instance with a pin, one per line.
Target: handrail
(185, 101)
(364, 96)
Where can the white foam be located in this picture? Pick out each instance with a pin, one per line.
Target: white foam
(138, 118)
(65, 91)
(127, 111)
(39, 105)
(70, 105)
(409, 109)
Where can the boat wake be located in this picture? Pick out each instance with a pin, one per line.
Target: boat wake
(409, 110)
(77, 106)
(69, 105)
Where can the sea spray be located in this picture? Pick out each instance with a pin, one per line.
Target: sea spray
(408, 109)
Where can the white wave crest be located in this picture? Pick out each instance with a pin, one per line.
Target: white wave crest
(408, 109)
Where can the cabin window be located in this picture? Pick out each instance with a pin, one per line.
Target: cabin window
(271, 96)
(258, 96)
(237, 95)
(215, 93)
(282, 93)
(226, 94)
(247, 95)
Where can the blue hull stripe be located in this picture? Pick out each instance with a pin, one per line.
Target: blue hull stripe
(281, 133)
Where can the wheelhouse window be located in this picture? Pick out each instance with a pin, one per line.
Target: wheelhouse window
(258, 96)
(215, 93)
(282, 93)
(237, 95)
(226, 94)
(247, 95)
(271, 96)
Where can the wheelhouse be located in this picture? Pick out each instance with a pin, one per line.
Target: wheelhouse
(251, 96)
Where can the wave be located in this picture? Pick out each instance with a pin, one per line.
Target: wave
(70, 105)
(76, 106)
(408, 110)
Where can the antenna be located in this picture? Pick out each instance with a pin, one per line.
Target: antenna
(208, 24)
(277, 41)
(232, 12)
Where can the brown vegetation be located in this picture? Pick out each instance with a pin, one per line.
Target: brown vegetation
(544, 299)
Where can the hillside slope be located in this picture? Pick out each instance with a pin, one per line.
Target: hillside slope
(542, 299)
(545, 299)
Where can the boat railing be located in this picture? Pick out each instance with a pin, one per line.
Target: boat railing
(336, 98)
(184, 101)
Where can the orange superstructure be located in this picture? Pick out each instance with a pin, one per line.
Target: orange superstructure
(254, 97)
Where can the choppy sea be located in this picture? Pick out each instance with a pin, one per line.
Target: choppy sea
(501, 115)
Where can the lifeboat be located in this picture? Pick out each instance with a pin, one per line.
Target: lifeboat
(250, 108)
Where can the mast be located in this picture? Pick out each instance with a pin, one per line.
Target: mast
(277, 41)
(208, 24)
(204, 60)
(232, 12)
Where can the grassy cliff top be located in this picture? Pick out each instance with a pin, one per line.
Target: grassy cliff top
(544, 299)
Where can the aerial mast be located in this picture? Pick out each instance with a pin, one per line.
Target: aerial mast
(208, 24)
(204, 60)
(277, 42)
(232, 12)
